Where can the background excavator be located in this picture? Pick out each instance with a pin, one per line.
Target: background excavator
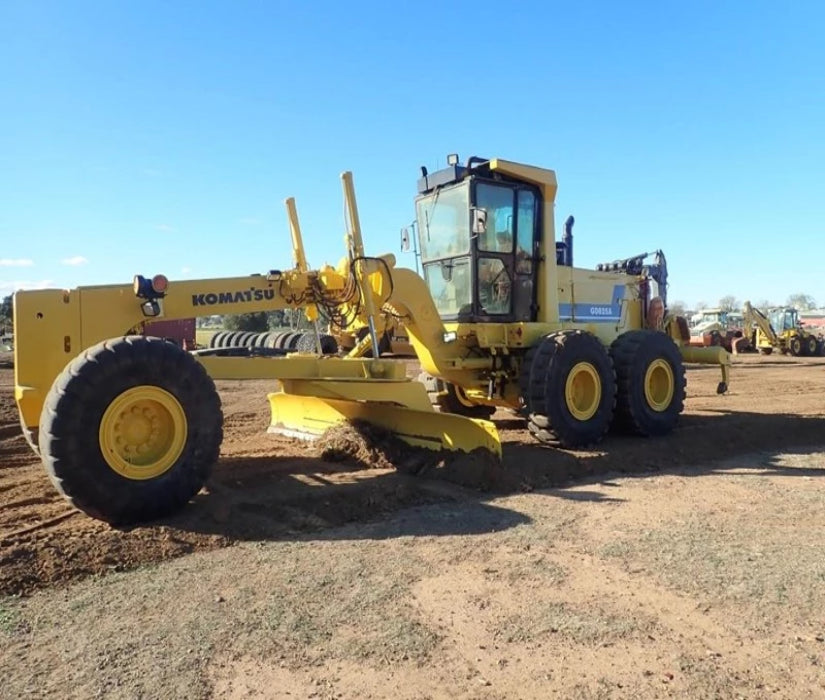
(780, 330)
(129, 427)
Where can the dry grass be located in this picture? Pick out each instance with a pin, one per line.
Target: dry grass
(590, 626)
(765, 559)
(695, 585)
(305, 604)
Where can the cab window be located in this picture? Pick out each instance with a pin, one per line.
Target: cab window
(494, 286)
(498, 203)
(450, 285)
(444, 224)
(525, 228)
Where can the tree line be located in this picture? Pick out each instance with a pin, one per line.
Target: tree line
(800, 301)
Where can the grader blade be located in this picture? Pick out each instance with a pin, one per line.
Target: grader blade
(310, 416)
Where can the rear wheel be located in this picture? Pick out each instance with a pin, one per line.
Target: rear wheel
(650, 378)
(569, 388)
(130, 429)
(811, 346)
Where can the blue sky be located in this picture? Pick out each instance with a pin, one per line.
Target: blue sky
(145, 137)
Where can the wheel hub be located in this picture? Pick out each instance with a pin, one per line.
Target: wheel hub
(143, 432)
(659, 385)
(583, 391)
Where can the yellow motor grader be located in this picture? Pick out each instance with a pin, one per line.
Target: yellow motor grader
(129, 426)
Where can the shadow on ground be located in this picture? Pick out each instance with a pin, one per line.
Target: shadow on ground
(269, 498)
(272, 498)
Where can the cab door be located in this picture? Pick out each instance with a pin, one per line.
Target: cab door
(505, 252)
(524, 287)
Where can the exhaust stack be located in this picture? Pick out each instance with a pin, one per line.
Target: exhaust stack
(567, 240)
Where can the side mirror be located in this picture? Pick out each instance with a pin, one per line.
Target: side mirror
(479, 221)
(405, 240)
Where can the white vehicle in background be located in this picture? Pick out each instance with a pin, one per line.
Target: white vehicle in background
(716, 327)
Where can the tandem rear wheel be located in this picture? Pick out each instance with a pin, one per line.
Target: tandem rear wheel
(131, 429)
(574, 388)
(650, 378)
(569, 387)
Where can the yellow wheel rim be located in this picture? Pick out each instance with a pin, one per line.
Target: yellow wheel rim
(659, 385)
(143, 432)
(583, 391)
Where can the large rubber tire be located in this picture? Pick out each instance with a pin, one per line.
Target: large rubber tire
(765, 351)
(795, 346)
(329, 345)
(243, 339)
(218, 339)
(283, 339)
(650, 378)
(148, 394)
(449, 398)
(569, 388)
(811, 346)
(215, 340)
(306, 343)
(229, 340)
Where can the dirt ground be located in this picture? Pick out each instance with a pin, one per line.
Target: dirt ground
(688, 566)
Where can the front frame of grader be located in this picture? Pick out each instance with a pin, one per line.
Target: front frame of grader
(54, 326)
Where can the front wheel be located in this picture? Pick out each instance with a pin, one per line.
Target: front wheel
(795, 346)
(130, 429)
(651, 382)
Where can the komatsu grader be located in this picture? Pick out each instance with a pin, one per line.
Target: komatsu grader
(129, 427)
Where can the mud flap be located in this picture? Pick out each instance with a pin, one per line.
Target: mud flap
(309, 416)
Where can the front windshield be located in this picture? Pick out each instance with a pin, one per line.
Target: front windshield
(444, 223)
(783, 320)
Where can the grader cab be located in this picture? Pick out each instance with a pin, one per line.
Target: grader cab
(129, 427)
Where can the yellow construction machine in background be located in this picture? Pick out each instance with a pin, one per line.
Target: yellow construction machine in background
(780, 330)
(129, 427)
